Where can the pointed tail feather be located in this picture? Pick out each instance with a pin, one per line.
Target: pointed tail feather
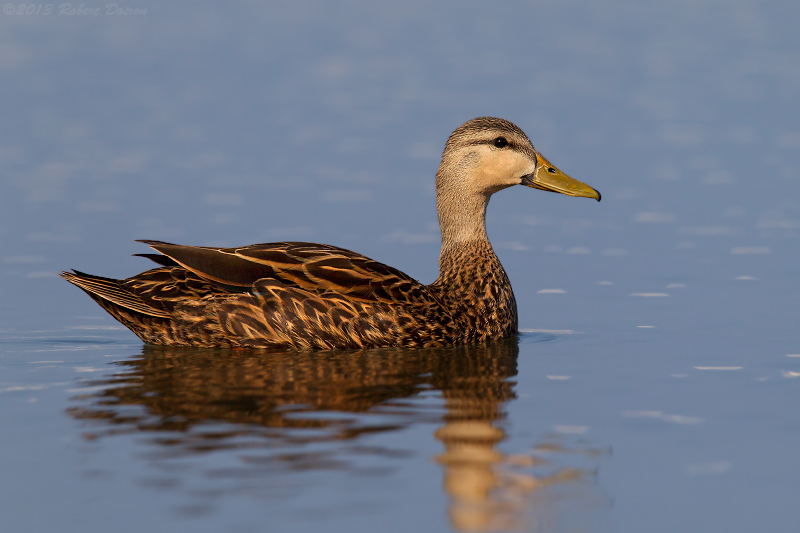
(111, 290)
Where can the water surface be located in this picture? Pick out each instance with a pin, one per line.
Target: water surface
(653, 386)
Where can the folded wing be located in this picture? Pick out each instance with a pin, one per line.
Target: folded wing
(317, 268)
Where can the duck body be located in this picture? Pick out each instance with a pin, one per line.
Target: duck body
(306, 296)
(314, 296)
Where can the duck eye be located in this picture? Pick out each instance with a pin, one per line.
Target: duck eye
(500, 142)
(551, 170)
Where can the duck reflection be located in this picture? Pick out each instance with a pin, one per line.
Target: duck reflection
(213, 399)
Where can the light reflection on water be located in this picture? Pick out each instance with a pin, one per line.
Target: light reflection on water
(283, 412)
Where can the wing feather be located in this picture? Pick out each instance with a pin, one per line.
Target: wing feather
(313, 267)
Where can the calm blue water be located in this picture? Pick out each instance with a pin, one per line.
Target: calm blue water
(655, 383)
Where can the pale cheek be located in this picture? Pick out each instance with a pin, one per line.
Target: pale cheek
(495, 180)
(523, 167)
(510, 172)
(500, 170)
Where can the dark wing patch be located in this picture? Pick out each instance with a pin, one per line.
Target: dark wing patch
(220, 265)
(162, 260)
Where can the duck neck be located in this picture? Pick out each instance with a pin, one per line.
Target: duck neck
(462, 218)
(467, 254)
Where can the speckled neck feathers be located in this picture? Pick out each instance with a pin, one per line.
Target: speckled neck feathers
(474, 288)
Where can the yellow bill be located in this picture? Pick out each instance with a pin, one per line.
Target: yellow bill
(549, 178)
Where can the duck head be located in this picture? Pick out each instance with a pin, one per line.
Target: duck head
(481, 157)
(492, 154)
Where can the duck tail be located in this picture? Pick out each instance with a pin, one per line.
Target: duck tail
(110, 293)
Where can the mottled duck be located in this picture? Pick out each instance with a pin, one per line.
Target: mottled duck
(314, 296)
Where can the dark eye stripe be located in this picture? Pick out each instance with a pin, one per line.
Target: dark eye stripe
(521, 148)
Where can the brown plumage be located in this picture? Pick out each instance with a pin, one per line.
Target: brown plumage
(315, 296)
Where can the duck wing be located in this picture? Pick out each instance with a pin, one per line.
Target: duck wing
(317, 268)
(276, 295)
